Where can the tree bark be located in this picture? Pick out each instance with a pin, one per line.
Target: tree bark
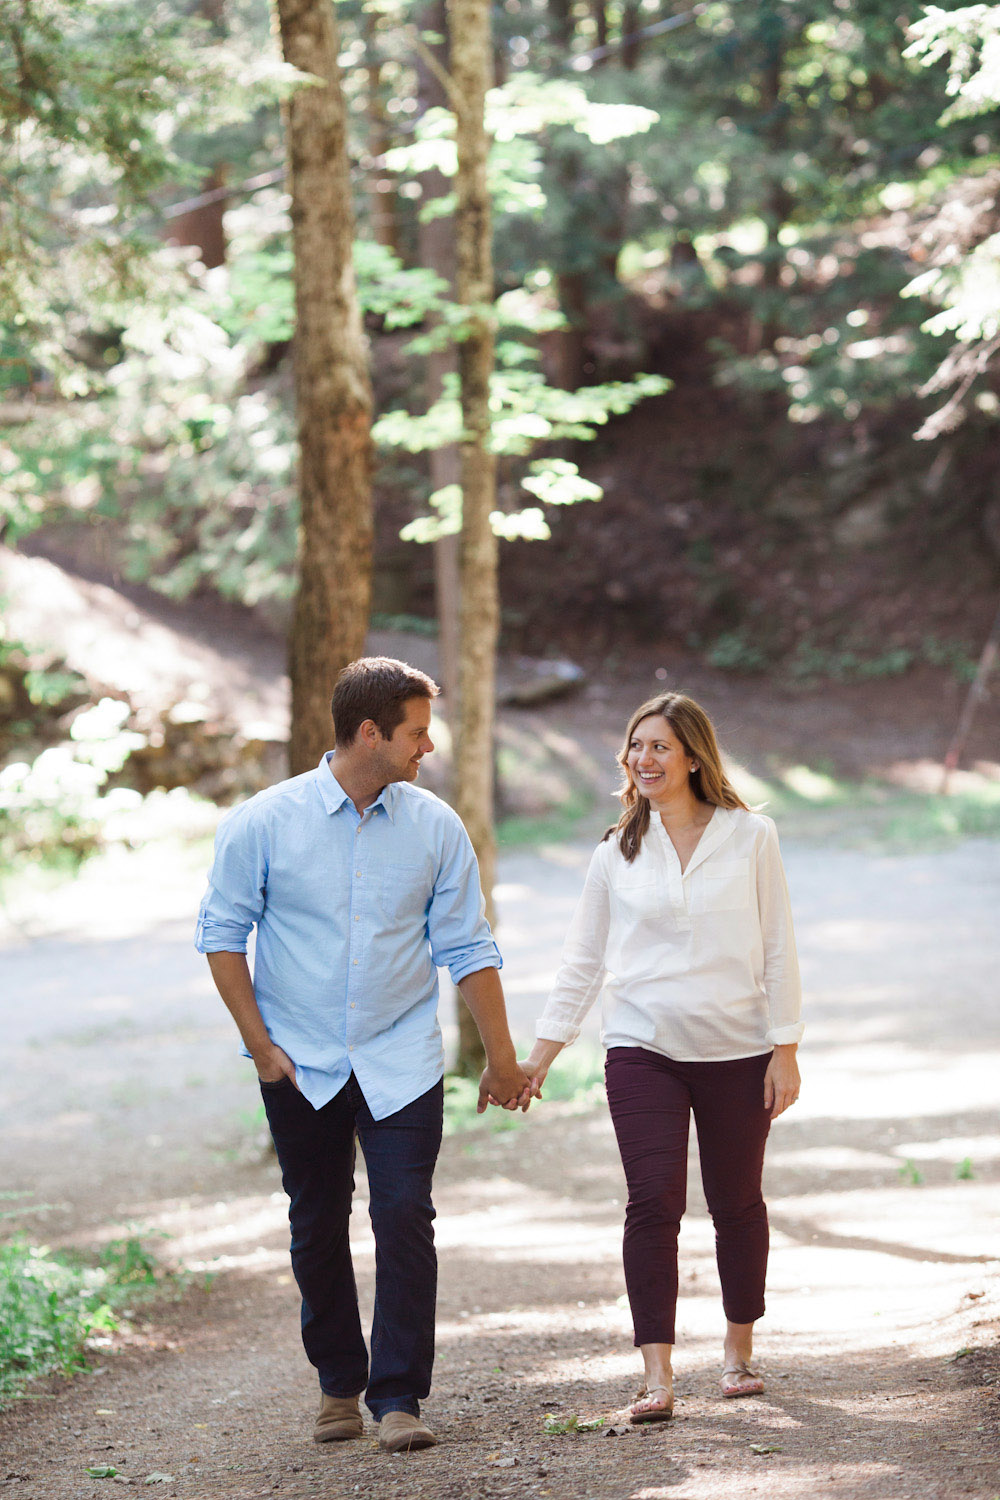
(203, 226)
(382, 196)
(332, 386)
(778, 201)
(436, 250)
(631, 44)
(471, 67)
(561, 23)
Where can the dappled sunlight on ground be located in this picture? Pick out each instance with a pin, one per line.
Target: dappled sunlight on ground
(127, 1105)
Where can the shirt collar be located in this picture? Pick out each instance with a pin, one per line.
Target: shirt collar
(333, 793)
(718, 829)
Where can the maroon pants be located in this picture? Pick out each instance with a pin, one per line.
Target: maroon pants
(652, 1099)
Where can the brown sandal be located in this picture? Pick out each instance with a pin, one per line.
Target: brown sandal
(743, 1372)
(660, 1413)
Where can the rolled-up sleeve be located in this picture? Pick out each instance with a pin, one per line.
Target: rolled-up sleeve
(581, 973)
(782, 984)
(237, 883)
(460, 936)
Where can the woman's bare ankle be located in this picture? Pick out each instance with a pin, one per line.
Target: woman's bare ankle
(657, 1366)
(737, 1348)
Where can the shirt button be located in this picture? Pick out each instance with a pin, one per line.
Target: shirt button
(358, 874)
(353, 1005)
(355, 963)
(357, 919)
(350, 1049)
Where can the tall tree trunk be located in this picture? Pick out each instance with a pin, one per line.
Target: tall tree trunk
(382, 196)
(471, 66)
(202, 226)
(600, 13)
(778, 201)
(332, 386)
(436, 251)
(561, 23)
(631, 44)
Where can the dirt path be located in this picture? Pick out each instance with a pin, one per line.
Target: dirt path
(125, 1104)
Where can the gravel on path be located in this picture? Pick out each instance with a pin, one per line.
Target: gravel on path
(125, 1103)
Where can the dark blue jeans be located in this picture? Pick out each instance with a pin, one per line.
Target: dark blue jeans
(316, 1152)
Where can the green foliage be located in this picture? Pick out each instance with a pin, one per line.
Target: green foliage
(735, 651)
(561, 822)
(910, 1173)
(964, 277)
(561, 1426)
(461, 1096)
(814, 804)
(92, 96)
(964, 1171)
(767, 167)
(57, 810)
(576, 1076)
(259, 304)
(810, 663)
(526, 412)
(967, 40)
(51, 1304)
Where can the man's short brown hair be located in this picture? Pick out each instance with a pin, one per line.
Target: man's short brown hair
(376, 688)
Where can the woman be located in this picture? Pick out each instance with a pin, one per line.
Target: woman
(685, 913)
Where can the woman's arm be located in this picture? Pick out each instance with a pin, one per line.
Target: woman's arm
(581, 972)
(538, 1063)
(782, 984)
(781, 1081)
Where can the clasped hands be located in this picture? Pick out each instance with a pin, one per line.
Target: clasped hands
(511, 1087)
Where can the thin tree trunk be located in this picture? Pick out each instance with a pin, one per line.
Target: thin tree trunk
(600, 13)
(332, 386)
(203, 226)
(778, 201)
(631, 44)
(561, 23)
(471, 65)
(975, 696)
(380, 185)
(436, 251)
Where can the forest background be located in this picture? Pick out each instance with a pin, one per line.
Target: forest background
(745, 302)
(746, 296)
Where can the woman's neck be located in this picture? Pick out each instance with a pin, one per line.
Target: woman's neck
(683, 810)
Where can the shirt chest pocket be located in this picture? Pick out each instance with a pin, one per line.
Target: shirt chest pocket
(639, 893)
(403, 892)
(726, 884)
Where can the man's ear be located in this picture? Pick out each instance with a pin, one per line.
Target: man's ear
(369, 733)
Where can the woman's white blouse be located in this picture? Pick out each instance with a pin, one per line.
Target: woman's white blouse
(699, 966)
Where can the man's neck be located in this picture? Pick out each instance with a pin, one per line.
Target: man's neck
(354, 782)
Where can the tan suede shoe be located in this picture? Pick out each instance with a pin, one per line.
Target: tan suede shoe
(339, 1418)
(401, 1432)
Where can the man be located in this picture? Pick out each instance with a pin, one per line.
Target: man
(359, 884)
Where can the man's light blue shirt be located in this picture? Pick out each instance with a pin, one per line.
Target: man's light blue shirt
(354, 915)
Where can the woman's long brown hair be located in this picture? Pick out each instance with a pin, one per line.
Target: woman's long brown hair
(693, 728)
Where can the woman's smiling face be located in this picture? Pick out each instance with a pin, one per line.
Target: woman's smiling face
(657, 762)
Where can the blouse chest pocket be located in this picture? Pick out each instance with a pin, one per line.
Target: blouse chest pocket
(639, 893)
(403, 892)
(726, 884)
